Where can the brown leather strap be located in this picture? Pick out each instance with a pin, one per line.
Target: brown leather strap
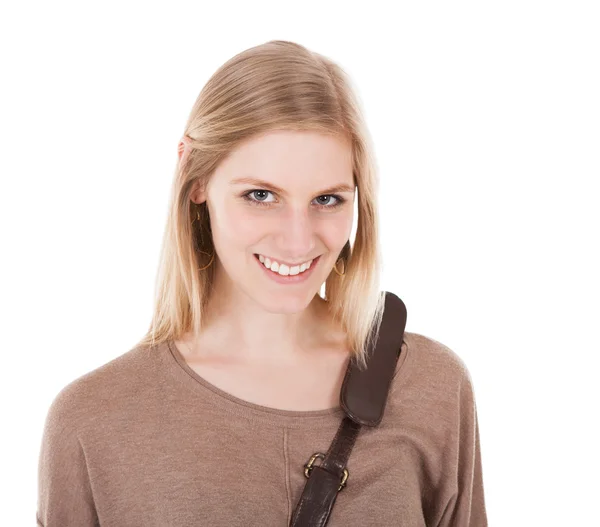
(363, 398)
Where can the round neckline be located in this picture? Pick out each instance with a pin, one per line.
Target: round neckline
(231, 403)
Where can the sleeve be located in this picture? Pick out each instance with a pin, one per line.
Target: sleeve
(64, 491)
(466, 506)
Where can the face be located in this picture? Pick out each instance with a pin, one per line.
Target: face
(286, 196)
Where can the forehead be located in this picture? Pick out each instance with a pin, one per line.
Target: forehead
(291, 158)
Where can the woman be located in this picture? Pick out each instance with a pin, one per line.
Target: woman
(211, 417)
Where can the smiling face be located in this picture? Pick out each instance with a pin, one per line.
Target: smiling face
(288, 196)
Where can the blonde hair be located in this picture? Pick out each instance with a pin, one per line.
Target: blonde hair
(278, 85)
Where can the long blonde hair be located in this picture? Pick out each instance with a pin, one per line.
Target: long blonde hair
(278, 85)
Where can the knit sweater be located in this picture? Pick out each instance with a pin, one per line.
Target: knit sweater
(143, 440)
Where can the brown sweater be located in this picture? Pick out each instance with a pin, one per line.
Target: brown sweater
(145, 441)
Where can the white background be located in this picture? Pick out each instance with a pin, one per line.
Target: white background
(486, 122)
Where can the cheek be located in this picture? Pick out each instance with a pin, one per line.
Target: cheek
(333, 233)
(235, 224)
(339, 229)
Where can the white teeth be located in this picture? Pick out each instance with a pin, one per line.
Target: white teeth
(283, 269)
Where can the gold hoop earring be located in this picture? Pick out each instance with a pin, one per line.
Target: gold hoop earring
(213, 254)
(211, 261)
(335, 268)
(197, 216)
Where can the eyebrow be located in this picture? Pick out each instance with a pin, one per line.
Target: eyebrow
(342, 187)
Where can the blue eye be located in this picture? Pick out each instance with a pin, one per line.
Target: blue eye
(339, 200)
(259, 202)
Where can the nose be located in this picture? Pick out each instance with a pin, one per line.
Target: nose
(296, 234)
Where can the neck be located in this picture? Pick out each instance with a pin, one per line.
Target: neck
(237, 328)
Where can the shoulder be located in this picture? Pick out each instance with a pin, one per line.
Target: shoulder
(432, 354)
(88, 398)
(432, 365)
(432, 385)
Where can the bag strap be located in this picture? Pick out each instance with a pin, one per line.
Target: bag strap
(363, 398)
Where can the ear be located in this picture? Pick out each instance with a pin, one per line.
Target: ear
(198, 194)
(183, 148)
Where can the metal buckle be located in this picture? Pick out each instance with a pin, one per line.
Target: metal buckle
(309, 466)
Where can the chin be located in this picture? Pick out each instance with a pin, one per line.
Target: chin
(284, 303)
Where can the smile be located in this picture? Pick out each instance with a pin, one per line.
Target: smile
(283, 274)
